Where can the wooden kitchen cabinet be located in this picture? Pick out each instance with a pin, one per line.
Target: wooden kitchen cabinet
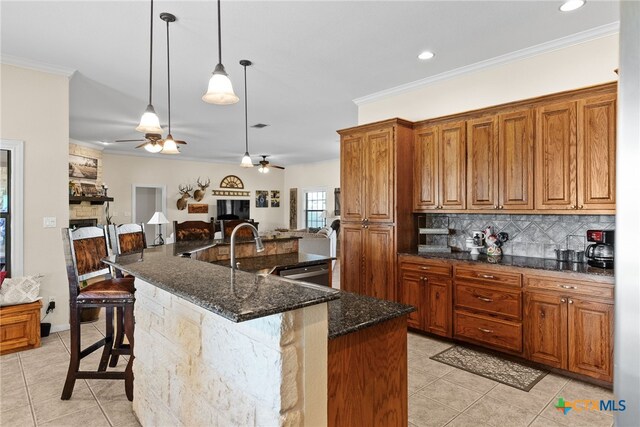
(482, 163)
(438, 319)
(376, 189)
(569, 331)
(411, 291)
(439, 172)
(515, 164)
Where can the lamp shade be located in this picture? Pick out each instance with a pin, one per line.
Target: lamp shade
(263, 169)
(158, 218)
(220, 90)
(153, 147)
(149, 122)
(169, 146)
(246, 161)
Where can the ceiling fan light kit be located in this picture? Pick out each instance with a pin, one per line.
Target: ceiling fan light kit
(169, 146)
(153, 147)
(220, 90)
(149, 122)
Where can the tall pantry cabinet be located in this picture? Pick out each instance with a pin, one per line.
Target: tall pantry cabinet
(376, 169)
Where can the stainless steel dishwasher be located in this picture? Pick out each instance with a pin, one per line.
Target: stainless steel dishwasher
(318, 274)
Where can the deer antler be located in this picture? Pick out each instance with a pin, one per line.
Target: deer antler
(185, 189)
(205, 185)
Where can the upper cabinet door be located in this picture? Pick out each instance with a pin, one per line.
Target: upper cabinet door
(597, 152)
(515, 170)
(425, 169)
(379, 182)
(555, 177)
(352, 167)
(452, 165)
(482, 163)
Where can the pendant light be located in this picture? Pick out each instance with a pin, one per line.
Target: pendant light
(220, 90)
(169, 145)
(246, 159)
(149, 122)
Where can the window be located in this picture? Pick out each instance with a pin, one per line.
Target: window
(315, 205)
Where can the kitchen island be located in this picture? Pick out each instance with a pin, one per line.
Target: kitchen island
(217, 347)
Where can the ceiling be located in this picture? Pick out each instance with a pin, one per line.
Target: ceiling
(311, 59)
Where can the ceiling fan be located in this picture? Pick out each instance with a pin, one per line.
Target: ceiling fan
(265, 164)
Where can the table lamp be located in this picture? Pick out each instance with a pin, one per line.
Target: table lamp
(158, 219)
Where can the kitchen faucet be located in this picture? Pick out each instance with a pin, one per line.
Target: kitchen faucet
(259, 245)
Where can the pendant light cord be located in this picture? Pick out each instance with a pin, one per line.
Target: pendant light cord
(151, 53)
(219, 36)
(246, 120)
(168, 80)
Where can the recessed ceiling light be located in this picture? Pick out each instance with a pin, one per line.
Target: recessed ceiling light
(426, 55)
(570, 5)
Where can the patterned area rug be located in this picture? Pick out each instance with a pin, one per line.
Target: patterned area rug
(505, 371)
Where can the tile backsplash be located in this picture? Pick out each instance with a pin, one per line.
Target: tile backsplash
(529, 235)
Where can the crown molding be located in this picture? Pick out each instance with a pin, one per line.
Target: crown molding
(36, 65)
(93, 145)
(550, 46)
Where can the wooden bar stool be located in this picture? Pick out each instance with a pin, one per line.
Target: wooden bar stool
(194, 230)
(84, 249)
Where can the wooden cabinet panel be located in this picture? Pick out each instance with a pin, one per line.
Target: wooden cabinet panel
(426, 170)
(20, 327)
(411, 292)
(591, 338)
(545, 325)
(482, 163)
(498, 333)
(555, 178)
(379, 261)
(573, 287)
(452, 166)
(439, 306)
(379, 183)
(352, 168)
(489, 276)
(352, 258)
(425, 266)
(515, 170)
(597, 152)
(490, 300)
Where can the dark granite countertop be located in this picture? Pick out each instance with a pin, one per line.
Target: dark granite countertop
(237, 296)
(520, 261)
(191, 246)
(353, 312)
(266, 264)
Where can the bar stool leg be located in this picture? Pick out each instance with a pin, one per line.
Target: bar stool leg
(128, 330)
(108, 340)
(119, 336)
(74, 362)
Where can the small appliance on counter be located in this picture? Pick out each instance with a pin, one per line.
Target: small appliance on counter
(601, 253)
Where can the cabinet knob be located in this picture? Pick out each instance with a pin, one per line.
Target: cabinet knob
(572, 207)
(366, 226)
(500, 207)
(563, 300)
(437, 295)
(570, 301)
(580, 207)
(495, 206)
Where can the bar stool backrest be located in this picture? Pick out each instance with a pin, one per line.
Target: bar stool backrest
(85, 247)
(193, 230)
(127, 238)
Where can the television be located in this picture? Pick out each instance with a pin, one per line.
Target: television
(232, 209)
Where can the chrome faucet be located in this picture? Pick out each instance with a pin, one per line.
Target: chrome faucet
(259, 245)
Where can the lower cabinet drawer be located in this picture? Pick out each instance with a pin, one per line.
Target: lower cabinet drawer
(494, 332)
(501, 302)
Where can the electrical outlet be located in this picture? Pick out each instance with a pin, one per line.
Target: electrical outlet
(49, 222)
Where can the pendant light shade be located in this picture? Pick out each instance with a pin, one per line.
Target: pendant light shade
(149, 122)
(220, 89)
(246, 161)
(169, 146)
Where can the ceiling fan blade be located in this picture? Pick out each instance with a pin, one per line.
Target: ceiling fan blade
(275, 166)
(181, 142)
(130, 140)
(142, 145)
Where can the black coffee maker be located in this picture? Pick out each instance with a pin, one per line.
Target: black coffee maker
(601, 253)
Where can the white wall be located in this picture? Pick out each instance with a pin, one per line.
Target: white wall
(35, 109)
(578, 66)
(311, 176)
(627, 317)
(120, 172)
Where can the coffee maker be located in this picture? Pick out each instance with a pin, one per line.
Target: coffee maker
(601, 253)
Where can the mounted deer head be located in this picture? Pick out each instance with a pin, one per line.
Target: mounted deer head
(186, 194)
(199, 194)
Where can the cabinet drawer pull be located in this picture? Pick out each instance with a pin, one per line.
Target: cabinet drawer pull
(568, 287)
(486, 276)
(488, 331)
(424, 268)
(485, 299)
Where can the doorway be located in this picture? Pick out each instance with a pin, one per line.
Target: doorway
(11, 206)
(147, 200)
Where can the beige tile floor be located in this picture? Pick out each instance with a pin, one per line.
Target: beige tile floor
(439, 395)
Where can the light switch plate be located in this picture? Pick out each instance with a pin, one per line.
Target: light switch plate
(49, 222)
